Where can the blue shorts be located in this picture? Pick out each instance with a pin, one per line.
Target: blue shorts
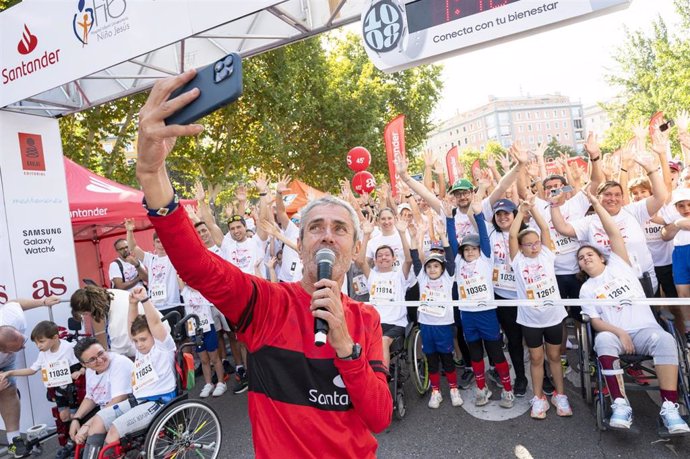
(480, 325)
(210, 343)
(681, 265)
(437, 338)
(11, 365)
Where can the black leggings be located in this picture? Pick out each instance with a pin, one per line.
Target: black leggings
(493, 349)
(460, 336)
(434, 359)
(507, 317)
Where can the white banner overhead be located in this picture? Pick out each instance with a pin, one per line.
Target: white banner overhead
(48, 43)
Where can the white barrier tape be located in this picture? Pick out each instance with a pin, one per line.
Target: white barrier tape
(542, 303)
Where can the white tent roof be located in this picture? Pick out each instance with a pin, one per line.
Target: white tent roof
(276, 23)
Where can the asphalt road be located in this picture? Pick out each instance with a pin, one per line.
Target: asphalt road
(454, 431)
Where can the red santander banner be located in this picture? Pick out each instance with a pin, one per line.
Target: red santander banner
(452, 165)
(394, 138)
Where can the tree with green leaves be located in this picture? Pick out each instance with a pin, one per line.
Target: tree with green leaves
(653, 75)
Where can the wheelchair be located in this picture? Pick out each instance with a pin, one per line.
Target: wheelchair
(184, 428)
(407, 359)
(594, 385)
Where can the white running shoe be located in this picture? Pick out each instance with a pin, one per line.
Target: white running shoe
(507, 399)
(672, 420)
(622, 414)
(539, 407)
(560, 401)
(482, 396)
(455, 397)
(435, 399)
(206, 391)
(220, 389)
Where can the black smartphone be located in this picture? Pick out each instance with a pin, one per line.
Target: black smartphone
(219, 83)
(666, 126)
(564, 189)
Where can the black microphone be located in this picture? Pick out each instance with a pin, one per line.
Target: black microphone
(324, 269)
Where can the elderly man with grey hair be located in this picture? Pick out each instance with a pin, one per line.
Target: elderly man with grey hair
(304, 400)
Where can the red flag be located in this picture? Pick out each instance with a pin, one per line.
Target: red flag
(476, 168)
(452, 165)
(394, 138)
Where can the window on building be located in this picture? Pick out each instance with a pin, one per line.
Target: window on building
(538, 127)
(555, 114)
(521, 128)
(464, 129)
(519, 115)
(531, 140)
(578, 124)
(529, 116)
(565, 124)
(558, 137)
(566, 135)
(563, 113)
(540, 138)
(546, 113)
(529, 127)
(504, 118)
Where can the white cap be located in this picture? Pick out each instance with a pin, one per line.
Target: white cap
(320, 338)
(680, 194)
(404, 205)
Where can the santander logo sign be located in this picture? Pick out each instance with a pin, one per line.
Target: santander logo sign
(28, 42)
(35, 63)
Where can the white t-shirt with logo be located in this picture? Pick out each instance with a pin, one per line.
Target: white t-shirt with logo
(116, 380)
(50, 363)
(662, 251)
(246, 254)
(618, 282)
(474, 281)
(128, 269)
(629, 221)
(154, 373)
(536, 280)
(434, 295)
(394, 242)
(386, 287)
(670, 214)
(463, 225)
(291, 266)
(502, 275)
(564, 247)
(163, 289)
(11, 313)
(196, 303)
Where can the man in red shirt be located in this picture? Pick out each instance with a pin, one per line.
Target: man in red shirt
(304, 400)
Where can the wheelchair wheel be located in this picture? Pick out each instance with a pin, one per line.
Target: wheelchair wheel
(683, 372)
(600, 410)
(418, 364)
(399, 406)
(585, 363)
(188, 429)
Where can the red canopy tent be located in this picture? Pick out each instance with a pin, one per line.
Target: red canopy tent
(98, 208)
(300, 194)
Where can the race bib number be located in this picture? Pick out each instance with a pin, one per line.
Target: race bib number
(652, 231)
(433, 309)
(564, 244)
(359, 284)
(158, 292)
(612, 290)
(541, 289)
(56, 374)
(503, 277)
(143, 373)
(204, 321)
(474, 288)
(382, 291)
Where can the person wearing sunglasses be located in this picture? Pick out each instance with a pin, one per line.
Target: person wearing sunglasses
(532, 259)
(108, 382)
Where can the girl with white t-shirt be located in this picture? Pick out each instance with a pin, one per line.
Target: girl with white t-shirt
(436, 319)
(153, 374)
(389, 236)
(533, 263)
(386, 285)
(626, 329)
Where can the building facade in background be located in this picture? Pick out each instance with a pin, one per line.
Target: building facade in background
(530, 119)
(596, 120)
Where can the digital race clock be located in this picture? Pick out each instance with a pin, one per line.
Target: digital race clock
(399, 34)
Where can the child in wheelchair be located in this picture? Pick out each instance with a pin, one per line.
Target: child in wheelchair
(152, 375)
(626, 329)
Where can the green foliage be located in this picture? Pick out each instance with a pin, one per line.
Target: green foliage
(555, 149)
(304, 106)
(653, 75)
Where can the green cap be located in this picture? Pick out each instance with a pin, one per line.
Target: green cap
(462, 184)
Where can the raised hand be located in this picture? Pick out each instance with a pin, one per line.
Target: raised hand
(368, 225)
(440, 169)
(447, 206)
(541, 149)
(229, 210)
(519, 152)
(491, 161)
(428, 156)
(505, 162)
(129, 224)
(439, 227)
(268, 227)
(592, 146)
(533, 169)
(241, 193)
(261, 183)
(282, 185)
(660, 141)
(527, 205)
(682, 120)
(191, 213)
(401, 166)
(156, 140)
(647, 161)
(199, 193)
(400, 224)
(640, 130)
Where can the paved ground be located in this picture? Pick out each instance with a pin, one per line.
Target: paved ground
(449, 431)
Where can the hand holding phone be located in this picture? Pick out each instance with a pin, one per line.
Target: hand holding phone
(219, 83)
(564, 189)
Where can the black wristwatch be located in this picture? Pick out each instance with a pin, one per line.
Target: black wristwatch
(356, 352)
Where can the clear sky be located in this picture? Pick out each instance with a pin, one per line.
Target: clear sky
(571, 60)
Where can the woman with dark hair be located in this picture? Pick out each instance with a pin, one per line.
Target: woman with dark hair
(624, 329)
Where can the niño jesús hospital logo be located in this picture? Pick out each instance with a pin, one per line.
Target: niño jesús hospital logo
(82, 22)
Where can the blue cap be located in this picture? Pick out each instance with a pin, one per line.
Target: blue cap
(505, 204)
(436, 245)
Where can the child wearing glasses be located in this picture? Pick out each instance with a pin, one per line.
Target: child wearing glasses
(533, 260)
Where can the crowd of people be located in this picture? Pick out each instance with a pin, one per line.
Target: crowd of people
(619, 230)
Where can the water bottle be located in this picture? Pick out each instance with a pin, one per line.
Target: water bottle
(117, 410)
